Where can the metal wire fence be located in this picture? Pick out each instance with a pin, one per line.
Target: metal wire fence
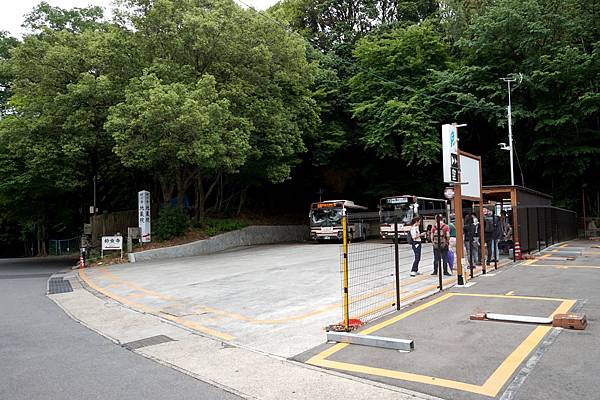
(372, 266)
(59, 247)
(542, 226)
(371, 273)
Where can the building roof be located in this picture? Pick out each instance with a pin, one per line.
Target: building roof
(508, 188)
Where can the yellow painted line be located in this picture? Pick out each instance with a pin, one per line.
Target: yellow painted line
(493, 384)
(567, 266)
(402, 298)
(239, 317)
(151, 310)
(503, 296)
(407, 314)
(430, 380)
(510, 293)
(135, 295)
(503, 373)
(214, 310)
(529, 262)
(564, 245)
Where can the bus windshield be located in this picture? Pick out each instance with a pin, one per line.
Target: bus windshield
(404, 214)
(326, 217)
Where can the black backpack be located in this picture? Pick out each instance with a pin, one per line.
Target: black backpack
(488, 225)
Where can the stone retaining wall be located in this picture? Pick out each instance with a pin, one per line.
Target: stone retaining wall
(249, 236)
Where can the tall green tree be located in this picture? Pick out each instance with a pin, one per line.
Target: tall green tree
(63, 78)
(259, 68)
(554, 45)
(391, 92)
(178, 131)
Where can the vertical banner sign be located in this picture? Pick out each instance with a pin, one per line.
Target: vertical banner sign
(450, 153)
(144, 215)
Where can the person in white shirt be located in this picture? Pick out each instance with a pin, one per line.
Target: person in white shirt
(414, 238)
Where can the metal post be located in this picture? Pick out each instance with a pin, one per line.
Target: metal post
(545, 228)
(345, 268)
(496, 238)
(552, 224)
(458, 223)
(537, 216)
(439, 249)
(95, 206)
(528, 233)
(397, 261)
(482, 244)
(558, 231)
(508, 80)
(583, 206)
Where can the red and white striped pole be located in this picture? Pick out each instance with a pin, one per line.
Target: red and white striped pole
(518, 255)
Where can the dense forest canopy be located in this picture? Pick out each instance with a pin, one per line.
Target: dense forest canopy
(227, 109)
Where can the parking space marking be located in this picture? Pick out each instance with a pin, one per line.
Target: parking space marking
(491, 386)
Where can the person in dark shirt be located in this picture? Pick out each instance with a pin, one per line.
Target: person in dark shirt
(469, 235)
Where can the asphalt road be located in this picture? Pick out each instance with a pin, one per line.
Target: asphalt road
(46, 355)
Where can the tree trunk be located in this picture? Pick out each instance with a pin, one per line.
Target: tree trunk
(200, 214)
(41, 240)
(167, 187)
(242, 200)
(180, 188)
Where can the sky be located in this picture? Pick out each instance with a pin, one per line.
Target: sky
(12, 11)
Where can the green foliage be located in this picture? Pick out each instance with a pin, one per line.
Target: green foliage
(390, 92)
(172, 222)
(217, 226)
(207, 100)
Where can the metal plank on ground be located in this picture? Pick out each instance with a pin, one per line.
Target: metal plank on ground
(372, 341)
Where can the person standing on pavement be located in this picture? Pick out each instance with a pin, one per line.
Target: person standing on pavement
(452, 247)
(469, 233)
(415, 241)
(476, 241)
(440, 245)
(488, 235)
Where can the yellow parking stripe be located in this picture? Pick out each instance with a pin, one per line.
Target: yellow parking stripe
(492, 385)
(154, 311)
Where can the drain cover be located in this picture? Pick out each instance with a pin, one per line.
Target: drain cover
(150, 341)
(59, 285)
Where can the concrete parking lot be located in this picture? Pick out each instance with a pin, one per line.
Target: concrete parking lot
(273, 298)
(457, 358)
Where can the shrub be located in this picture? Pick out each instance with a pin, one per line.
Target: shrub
(172, 222)
(216, 226)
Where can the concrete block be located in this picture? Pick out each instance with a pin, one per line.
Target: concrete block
(249, 236)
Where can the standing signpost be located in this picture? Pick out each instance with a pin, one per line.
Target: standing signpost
(144, 215)
(451, 163)
(463, 171)
(112, 243)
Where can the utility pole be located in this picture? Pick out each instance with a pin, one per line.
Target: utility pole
(510, 146)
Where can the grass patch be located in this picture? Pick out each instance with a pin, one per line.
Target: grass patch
(214, 227)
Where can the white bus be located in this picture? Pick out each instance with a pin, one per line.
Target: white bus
(404, 208)
(326, 221)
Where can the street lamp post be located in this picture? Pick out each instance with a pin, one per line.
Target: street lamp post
(508, 80)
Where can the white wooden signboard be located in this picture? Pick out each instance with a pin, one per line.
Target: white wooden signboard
(112, 243)
(470, 175)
